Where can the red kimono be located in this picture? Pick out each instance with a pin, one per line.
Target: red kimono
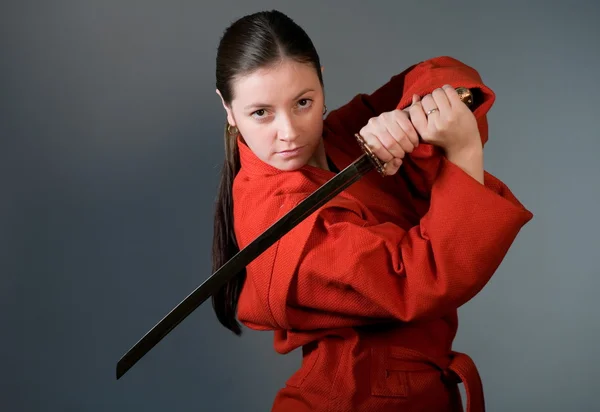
(369, 285)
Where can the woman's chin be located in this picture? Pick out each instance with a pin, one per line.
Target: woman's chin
(290, 165)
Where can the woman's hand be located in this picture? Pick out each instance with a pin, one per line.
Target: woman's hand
(443, 120)
(390, 136)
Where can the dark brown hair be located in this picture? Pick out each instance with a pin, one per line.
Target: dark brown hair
(253, 42)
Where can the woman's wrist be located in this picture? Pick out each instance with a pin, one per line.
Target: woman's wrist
(469, 159)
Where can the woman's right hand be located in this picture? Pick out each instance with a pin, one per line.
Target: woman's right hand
(390, 136)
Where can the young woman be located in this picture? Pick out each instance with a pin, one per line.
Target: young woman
(369, 285)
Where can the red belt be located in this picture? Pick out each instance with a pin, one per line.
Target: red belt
(457, 368)
(465, 370)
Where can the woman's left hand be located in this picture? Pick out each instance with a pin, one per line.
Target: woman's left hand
(442, 119)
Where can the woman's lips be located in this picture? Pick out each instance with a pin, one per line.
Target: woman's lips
(291, 153)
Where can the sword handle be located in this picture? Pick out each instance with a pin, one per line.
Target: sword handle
(466, 96)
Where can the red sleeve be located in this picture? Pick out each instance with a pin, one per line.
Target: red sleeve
(340, 268)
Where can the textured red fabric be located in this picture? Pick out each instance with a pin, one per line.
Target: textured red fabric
(369, 285)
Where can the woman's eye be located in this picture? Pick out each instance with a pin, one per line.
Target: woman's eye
(259, 113)
(304, 102)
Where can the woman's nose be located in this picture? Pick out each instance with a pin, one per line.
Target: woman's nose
(288, 130)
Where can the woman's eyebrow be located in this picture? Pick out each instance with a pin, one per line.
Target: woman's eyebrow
(250, 106)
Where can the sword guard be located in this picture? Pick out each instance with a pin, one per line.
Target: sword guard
(466, 96)
(379, 165)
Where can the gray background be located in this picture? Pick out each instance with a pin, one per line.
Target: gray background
(110, 151)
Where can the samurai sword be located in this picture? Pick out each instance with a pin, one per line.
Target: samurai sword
(342, 180)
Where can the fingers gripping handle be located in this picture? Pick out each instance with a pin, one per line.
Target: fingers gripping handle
(466, 96)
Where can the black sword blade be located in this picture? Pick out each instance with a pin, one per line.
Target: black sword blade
(315, 200)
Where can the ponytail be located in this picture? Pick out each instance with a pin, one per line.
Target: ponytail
(224, 241)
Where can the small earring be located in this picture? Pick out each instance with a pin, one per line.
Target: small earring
(232, 130)
(324, 108)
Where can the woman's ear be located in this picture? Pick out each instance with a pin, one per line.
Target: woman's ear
(230, 118)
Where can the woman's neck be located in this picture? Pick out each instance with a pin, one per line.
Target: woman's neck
(319, 157)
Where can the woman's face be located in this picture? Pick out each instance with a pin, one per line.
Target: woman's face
(279, 113)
